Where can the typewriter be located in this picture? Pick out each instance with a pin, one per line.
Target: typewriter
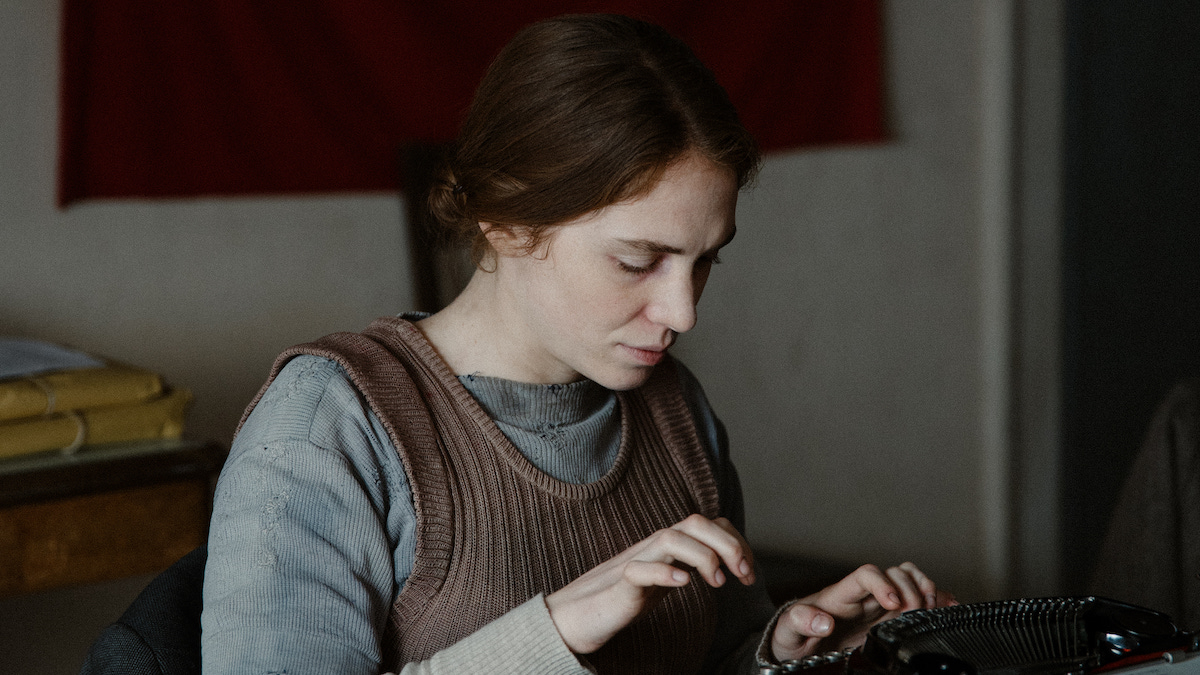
(1041, 636)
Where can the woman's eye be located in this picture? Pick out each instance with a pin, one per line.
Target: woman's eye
(638, 268)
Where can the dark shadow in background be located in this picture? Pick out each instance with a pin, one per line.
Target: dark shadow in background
(1131, 244)
(441, 266)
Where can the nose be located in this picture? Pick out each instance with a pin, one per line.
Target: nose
(674, 303)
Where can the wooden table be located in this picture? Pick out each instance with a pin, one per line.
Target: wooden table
(105, 512)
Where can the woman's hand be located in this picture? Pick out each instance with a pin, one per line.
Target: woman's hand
(840, 615)
(589, 611)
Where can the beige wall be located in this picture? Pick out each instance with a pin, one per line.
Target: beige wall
(843, 341)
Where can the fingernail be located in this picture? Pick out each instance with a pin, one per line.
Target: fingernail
(679, 576)
(744, 567)
(894, 598)
(931, 601)
(820, 624)
(720, 577)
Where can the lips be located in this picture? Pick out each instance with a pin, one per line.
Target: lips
(647, 357)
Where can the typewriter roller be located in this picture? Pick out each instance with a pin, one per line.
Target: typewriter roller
(1042, 636)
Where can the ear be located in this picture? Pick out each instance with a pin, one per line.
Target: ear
(507, 241)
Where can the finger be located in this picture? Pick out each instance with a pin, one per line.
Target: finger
(747, 568)
(945, 599)
(924, 583)
(723, 538)
(644, 574)
(907, 586)
(876, 584)
(672, 545)
(799, 631)
(808, 621)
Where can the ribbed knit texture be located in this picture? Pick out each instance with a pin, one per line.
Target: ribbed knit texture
(493, 530)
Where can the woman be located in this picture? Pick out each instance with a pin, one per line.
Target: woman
(525, 481)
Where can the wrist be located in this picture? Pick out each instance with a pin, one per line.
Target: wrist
(561, 617)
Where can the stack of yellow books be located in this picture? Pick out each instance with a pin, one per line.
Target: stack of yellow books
(52, 398)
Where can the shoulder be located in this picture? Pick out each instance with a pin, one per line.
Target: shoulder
(308, 481)
(692, 391)
(715, 440)
(312, 399)
(708, 425)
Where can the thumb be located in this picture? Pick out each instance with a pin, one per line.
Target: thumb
(799, 630)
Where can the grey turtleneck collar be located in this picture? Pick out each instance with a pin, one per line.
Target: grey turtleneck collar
(570, 431)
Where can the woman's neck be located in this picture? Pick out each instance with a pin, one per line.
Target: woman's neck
(480, 332)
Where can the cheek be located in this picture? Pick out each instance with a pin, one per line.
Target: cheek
(603, 306)
(591, 295)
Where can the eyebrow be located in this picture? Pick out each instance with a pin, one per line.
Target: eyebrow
(650, 246)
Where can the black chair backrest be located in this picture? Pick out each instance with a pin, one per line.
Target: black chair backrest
(160, 632)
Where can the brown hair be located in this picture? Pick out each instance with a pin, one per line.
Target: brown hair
(578, 113)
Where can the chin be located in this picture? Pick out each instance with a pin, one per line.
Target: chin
(624, 379)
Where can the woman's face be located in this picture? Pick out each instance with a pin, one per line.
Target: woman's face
(608, 293)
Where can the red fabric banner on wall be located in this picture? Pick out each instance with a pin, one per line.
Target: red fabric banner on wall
(223, 97)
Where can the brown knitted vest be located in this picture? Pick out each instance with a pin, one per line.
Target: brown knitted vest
(493, 530)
